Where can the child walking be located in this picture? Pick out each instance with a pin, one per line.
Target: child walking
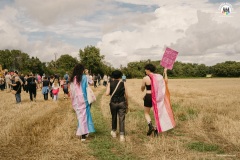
(55, 90)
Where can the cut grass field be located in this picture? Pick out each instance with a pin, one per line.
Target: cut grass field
(206, 111)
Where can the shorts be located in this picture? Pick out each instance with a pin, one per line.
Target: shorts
(148, 100)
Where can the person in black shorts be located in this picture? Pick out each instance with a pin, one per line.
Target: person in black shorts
(146, 83)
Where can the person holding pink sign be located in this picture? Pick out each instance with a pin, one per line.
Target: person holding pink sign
(157, 97)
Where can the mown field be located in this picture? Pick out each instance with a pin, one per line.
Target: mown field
(207, 113)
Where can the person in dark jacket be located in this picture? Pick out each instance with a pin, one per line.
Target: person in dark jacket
(32, 86)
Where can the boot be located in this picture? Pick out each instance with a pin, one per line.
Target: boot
(155, 132)
(150, 129)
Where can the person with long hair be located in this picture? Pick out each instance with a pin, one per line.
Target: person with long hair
(78, 92)
(55, 89)
(157, 97)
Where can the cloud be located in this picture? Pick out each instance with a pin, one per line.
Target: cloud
(148, 40)
(13, 35)
(49, 12)
(10, 34)
(208, 36)
(124, 30)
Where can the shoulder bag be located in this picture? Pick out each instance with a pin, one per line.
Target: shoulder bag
(90, 95)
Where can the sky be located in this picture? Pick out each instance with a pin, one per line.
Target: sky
(123, 30)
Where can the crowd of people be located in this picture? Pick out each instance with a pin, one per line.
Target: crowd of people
(30, 83)
(75, 86)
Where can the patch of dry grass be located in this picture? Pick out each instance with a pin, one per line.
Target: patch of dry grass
(206, 112)
(39, 130)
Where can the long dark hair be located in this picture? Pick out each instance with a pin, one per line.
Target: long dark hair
(78, 72)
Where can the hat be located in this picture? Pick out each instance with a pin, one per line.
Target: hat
(116, 74)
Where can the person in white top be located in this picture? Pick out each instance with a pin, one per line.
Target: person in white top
(89, 77)
(55, 89)
(8, 78)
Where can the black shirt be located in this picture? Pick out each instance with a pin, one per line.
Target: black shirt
(119, 95)
(31, 82)
(45, 82)
(17, 87)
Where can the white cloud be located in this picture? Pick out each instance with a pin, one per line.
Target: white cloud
(127, 32)
(48, 12)
(148, 40)
(12, 36)
(208, 37)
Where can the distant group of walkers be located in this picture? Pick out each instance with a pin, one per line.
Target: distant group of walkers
(76, 86)
(29, 83)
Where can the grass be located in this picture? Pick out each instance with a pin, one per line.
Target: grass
(103, 145)
(203, 147)
(206, 115)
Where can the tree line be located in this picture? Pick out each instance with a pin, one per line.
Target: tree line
(91, 57)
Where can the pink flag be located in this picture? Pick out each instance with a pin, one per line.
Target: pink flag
(169, 58)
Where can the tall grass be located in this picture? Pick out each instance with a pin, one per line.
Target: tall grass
(206, 113)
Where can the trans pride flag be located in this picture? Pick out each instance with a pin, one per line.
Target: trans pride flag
(81, 106)
(163, 114)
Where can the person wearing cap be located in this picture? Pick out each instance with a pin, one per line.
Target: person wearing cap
(118, 103)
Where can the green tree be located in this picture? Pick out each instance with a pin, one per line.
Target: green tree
(65, 63)
(92, 59)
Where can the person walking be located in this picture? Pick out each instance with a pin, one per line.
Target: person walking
(32, 87)
(45, 87)
(2, 83)
(17, 88)
(78, 92)
(99, 79)
(118, 103)
(65, 89)
(25, 82)
(156, 89)
(95, 78)
(66, 77)
(124, 78)
(105, 79)
(8, 78)
(55, 89)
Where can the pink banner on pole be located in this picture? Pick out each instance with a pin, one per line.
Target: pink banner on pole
(169, 58)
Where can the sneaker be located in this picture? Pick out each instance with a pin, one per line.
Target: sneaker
(122, 138)
(113, 134)
(83, 138)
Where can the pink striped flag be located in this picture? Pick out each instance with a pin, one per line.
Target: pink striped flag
(163, 114)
